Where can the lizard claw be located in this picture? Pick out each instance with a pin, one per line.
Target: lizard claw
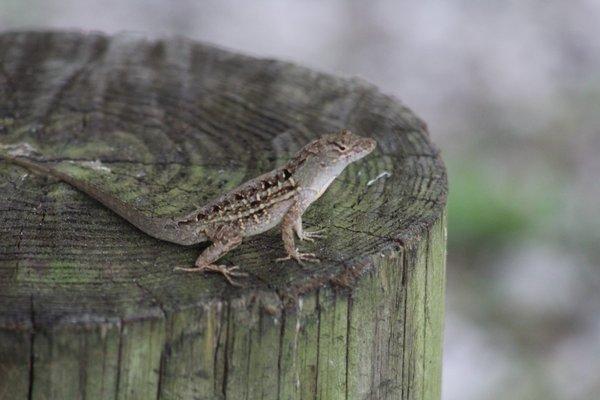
(228, 272)
(299, 257)
(311, 235)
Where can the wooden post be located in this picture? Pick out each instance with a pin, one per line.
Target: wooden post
(90, 307)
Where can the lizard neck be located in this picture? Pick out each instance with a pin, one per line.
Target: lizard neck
(314, 177)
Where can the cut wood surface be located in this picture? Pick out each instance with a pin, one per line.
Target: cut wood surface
(90, 307)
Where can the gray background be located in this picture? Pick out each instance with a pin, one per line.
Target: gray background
(511, 93)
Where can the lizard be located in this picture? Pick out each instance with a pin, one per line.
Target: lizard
(279, 197)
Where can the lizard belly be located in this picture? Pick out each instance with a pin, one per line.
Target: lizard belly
(263, 220)
(185, 235)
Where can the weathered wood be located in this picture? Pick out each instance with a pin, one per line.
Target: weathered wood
(91, 308)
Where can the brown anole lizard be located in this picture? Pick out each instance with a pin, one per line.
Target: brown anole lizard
(277, 197)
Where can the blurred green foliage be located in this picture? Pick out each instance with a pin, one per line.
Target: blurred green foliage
(486, 212)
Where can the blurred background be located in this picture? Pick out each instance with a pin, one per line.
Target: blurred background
(511, 92)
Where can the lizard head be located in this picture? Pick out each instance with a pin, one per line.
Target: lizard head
(323, 159)
(340, 149)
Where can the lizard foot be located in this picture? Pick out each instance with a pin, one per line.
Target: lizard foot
(311, 235)
(228, 272)
(299, 257)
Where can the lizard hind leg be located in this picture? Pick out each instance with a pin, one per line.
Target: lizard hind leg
(224, 241)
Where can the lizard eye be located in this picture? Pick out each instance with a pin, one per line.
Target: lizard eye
(340, 146)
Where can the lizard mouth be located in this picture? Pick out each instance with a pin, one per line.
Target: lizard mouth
(369, 144)
(363, 147)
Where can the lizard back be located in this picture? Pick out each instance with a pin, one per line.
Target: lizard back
(253, 207)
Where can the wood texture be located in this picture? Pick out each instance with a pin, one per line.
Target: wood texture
(90, 308)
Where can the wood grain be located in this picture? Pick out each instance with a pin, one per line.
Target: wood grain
(91, 308)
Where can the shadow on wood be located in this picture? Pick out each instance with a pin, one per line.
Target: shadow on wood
(90, 307)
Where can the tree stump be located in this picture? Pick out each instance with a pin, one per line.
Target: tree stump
(90, 307)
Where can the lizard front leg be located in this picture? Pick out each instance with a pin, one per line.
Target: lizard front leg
(224, 241)
(298, 210)
(292, 222)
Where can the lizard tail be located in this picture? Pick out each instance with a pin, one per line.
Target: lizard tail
(34, 167)
(160, 228)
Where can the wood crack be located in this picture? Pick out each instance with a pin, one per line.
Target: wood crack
(405, 379)
(226, 352)
(154, 298)
(119, 356)
(387, 238)
(31, 349)
(425, 309)
(318, 300)
(222, 322)
(348, 341)
(161, 365)
(280, 354)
